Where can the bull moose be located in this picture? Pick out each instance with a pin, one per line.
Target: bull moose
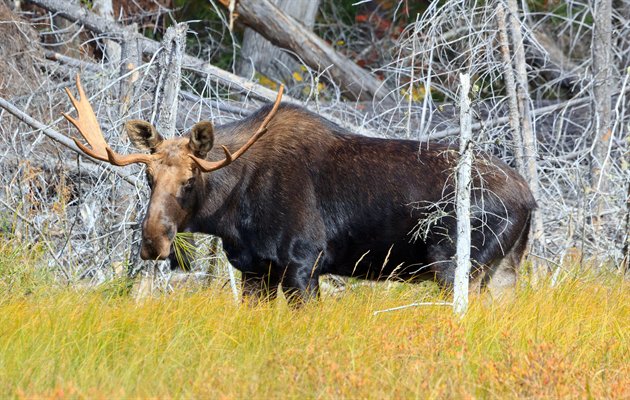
(295, 196)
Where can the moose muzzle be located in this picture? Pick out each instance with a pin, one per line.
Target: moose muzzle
(157, 236)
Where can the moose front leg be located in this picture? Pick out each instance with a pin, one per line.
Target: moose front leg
(300, 284)
(259, 287)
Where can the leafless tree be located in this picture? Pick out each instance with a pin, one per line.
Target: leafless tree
(462, 272)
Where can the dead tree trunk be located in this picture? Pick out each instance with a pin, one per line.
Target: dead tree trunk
(163, 117)
(462, 271)
(602, 104)
(284, 31)
(259, 55)
(105, 9)
(510, 88)
(527, 134)
(169, 78)
(130, 59)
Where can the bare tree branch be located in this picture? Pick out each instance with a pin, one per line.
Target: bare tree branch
(53, 134)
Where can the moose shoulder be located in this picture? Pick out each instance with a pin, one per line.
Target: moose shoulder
(309, 198)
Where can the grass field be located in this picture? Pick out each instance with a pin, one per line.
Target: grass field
(571, 341)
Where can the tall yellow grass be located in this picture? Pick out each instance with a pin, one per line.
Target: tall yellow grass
(571, 341)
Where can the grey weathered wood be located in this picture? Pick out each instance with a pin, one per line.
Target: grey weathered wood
(73, 62)
(130, 59)
(602, 103)
(260, 55)
(510, 88)
(14, 5)
(462, 198)
(116, 32)
(169, 78)
(65, 34)
(284, 31)
(529, 140)
(105, 9)
(100, 25)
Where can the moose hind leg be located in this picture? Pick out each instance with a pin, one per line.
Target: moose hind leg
(442, 257)
(500, 277)
(502, 274)
(444, 271)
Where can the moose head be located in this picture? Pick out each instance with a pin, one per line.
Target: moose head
(174, 167)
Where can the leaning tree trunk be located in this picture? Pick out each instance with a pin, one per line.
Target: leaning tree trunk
(259, 55)
(285, 31)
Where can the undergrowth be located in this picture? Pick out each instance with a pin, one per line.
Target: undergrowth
(569, 341)
(20, 272)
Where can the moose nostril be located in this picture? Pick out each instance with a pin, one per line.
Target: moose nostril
(171, 233)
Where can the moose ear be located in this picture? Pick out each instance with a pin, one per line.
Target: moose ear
(143, 135)
(201, 138)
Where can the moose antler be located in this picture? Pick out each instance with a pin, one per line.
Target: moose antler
(208, 166)
(88, 127)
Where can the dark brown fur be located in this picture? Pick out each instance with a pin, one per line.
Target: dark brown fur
(310, 198)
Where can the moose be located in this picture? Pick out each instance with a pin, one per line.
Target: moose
(294, 196)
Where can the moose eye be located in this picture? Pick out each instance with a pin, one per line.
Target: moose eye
(190, 183)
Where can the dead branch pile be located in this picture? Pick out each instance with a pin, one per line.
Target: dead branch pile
(86, 214)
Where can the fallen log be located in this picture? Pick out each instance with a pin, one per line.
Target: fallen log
(284, 31)
(259, 55)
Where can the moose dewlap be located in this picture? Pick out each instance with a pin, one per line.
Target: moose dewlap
(294, 196)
